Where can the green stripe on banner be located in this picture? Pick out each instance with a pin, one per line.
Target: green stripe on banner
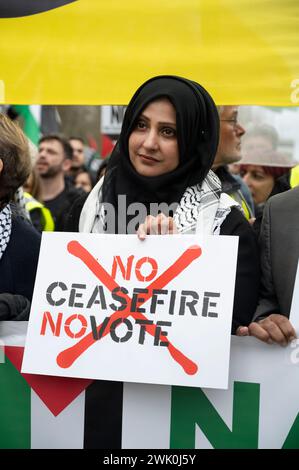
(14, 409)
(190, 406)
(31, 126)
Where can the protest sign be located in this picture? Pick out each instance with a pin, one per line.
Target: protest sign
(116, 308)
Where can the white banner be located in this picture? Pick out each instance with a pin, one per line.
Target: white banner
(260, 409)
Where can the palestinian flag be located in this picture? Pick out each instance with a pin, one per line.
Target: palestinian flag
(42, 412)
(257, 410)
(32, 120)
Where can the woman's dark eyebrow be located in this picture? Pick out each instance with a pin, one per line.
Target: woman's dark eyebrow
(142, 116)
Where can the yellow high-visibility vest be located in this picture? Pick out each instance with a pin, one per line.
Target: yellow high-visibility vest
(238, 197)
(294, 178)
(47, 219)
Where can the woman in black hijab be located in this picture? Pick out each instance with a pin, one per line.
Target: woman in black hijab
(166, 148)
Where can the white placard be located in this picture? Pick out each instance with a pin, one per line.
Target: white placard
(111, 119)
(175, 296)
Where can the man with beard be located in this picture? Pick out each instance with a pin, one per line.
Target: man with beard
(53, 161)
(229, 151)
(78, 160)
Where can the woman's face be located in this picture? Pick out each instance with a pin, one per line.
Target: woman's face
(83, 181)
(259, 182)
(153, 146)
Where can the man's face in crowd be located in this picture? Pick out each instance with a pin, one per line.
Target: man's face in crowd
(229, 148)
(78, 153)
(51, 158)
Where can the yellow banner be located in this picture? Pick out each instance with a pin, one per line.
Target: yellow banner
(100, 51)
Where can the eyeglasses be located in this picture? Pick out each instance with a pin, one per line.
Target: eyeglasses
(233, 122)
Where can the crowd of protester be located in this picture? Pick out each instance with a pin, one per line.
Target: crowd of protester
(212, 161)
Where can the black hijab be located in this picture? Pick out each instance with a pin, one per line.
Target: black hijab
(197, 127)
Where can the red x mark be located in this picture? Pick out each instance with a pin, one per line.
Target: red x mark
(67, 357)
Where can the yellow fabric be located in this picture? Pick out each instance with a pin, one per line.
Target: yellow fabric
(240, 199)
(246, 210)
(294, 179)
(32, 204)
(99, 51)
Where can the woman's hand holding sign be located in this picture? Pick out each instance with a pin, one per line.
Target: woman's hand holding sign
(160, 225)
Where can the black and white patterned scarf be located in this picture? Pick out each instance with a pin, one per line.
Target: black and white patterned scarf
(5, 228)
(20, 204)
(203, 208)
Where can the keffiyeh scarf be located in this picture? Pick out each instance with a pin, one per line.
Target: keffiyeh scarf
(20, 204)
(202, 209)
(5, 228)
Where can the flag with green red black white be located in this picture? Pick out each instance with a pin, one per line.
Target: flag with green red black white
(41, 412)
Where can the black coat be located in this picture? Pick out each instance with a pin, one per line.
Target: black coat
(19, 261)
(248, 268)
